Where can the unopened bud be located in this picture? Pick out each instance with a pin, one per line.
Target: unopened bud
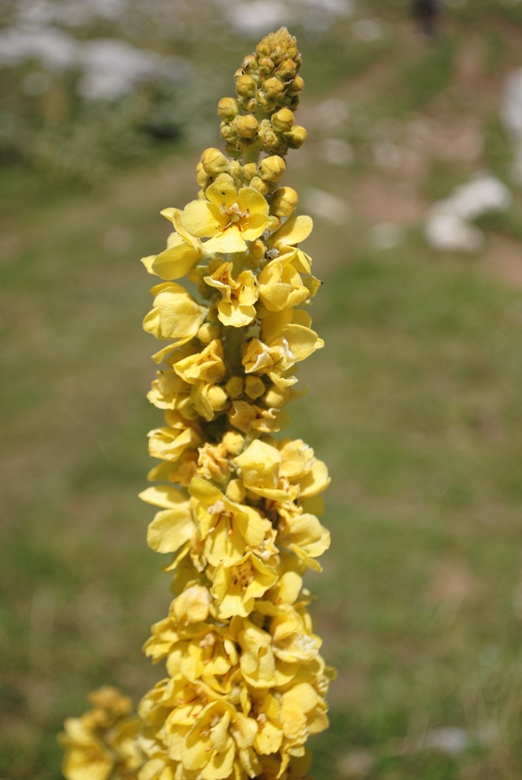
(259, 185)
(247, 126)
(202, 177)
(266, 65)
(208, 332)
(276, 397)
(217, 397)
(273, 87)
(284, 201)
(227, 108)
(257, 250)
(214, 162)
(249, 171)
(228, 133)
(272, 168)
(254, 387)
(234, 387)
(296, 86)
(287, 69)
(250, 62)
(245, 86)
(283, 120)
(233, 442)
(296, 137)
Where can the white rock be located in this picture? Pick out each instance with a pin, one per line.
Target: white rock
(449, 222)
(111, 68)
(448, 740)
(258, 17)
(54, 48)
(483, 194)
(448, 232)
(325, 205)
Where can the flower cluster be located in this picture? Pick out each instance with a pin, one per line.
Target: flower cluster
(237, 507)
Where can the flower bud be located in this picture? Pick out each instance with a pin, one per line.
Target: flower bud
(266, 103)
(296, 137)
(283, 120)
(284, 201)
(233, 442)
(214, 162)
(234, 387)
(257, 250)
(296, 86)
(254, 387)
(202, 176)
(273, 87)
(208, 332)
(217, 397)
(227, 108)
(250, 62)
(247, 126)
(246, 86)
(249, 171)
(276, 397)
(272, 168)
(286, 70)
(265, 65)
(259, 185)
(228, 133)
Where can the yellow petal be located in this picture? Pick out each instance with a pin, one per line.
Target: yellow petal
(201, 219)
(293, 231)
(229, 240)
(170, 529)
(249, 199)
(222, 193)
(163, 496)
(177, 260)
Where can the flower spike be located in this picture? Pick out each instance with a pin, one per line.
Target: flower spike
(236, 507)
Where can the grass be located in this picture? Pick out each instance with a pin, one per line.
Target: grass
(414, 404)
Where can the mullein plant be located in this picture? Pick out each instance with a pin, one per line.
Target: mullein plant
(237, 507)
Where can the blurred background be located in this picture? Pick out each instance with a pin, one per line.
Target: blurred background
(413, 175)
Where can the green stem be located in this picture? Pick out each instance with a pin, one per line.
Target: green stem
(232, 341)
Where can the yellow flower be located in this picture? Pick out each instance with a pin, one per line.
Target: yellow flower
(228, 216)
(286, 339)
(292, 638)
(169, 443)
(284, 241)
(303, 712)
(235, 588)
(227, 528)
(204, 366)
(246, 417)
(182, 253)
(281, 286)
(173, 526)
(103, 740)
(303, 534)
(175, 314)
(259, 665)
(259, 467)
(211, 745)
(236, 307)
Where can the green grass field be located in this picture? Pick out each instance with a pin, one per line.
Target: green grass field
(414, 404)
